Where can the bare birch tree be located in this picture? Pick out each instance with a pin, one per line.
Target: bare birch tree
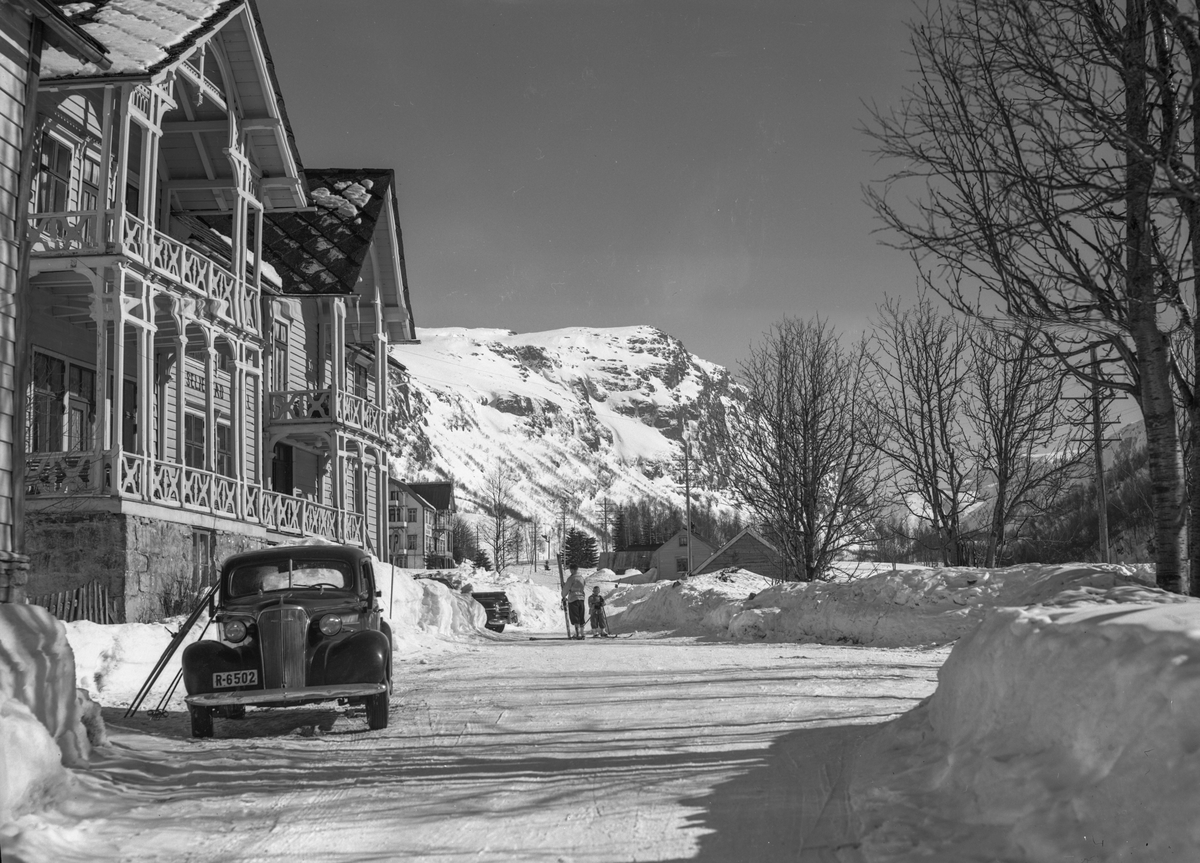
(1049, 156)
(922, 368)
(501, 518)
(805, 457)
(1023, 437)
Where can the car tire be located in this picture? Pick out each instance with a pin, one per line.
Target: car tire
(377, 711)
(202, 721)
(494, 627)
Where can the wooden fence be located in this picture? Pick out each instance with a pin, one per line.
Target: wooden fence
(89, 602)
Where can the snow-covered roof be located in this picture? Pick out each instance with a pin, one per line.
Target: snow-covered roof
(142, 36)
(323, 252)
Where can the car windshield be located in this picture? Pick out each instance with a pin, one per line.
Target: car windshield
(290, 575)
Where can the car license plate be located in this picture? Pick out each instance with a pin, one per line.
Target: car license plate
(226, 679)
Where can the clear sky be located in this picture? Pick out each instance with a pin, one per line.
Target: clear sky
(690, 164)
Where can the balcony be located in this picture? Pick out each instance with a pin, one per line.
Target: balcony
(95, 232)
(76, 477)
(304, 408)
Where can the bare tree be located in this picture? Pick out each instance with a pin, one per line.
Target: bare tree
(805, 458)
(1053, 151)
(922, 369)
(1022, 434)
(501, 518)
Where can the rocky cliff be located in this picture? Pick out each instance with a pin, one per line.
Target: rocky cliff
(578, 414)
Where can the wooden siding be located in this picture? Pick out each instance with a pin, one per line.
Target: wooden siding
(747, 552)
(15, 34)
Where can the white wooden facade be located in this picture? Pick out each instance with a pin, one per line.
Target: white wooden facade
(25, 27)
(172, 377)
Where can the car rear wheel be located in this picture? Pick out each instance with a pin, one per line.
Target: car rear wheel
(202, 721)
(377, 711)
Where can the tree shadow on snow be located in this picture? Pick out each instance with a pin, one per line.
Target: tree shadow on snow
(793, 806)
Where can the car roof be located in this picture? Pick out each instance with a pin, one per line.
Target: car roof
(347, 553)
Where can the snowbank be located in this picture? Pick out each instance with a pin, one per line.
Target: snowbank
(699, 605)
(40, 713)
(37, 669)
(912, 607)
(1058, 732)
(112, 662)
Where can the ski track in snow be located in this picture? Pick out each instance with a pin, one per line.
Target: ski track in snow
(638, 749)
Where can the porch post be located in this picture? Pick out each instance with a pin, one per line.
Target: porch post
(118, 384)
(210, 407)
(106, 143)
(181, 341)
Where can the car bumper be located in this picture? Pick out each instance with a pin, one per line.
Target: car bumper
(278, 697)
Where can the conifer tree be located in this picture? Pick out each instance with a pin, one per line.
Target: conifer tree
(580, 549)
(619, 530)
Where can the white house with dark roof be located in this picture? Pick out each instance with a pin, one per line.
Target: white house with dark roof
(28, 28)
(209, 321)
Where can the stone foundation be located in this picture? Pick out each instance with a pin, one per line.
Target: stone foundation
(14, 575)
(146, 564)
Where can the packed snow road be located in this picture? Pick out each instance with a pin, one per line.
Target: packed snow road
(624, 749)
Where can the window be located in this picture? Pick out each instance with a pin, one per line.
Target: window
(224, 449)
(360, 381)
(193, 441)
(396, 513)
(412, 513)
(681, 564)
(54, 176)
(683, 539)
(46, 404)
(204, 566)
(412, 542)
(279, 357)
(89, 191)
(81, 389)
(357, 505)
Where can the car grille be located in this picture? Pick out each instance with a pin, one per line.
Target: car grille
(281, 633)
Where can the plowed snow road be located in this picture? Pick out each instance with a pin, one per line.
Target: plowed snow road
(548, 750)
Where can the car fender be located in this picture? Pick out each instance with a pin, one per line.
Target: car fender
(360, 657)
(202, 658)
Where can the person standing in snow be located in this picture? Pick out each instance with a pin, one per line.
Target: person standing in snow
(576, 591)
(596, 610)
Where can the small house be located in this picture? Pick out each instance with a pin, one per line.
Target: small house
(748, 550)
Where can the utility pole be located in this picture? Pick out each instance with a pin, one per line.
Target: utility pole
(1098, 448)
(687, 493)
(604, 510)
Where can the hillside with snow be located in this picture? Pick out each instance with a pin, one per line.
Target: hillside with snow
(578, 413)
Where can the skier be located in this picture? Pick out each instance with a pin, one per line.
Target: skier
(599, 618)
(575, 590)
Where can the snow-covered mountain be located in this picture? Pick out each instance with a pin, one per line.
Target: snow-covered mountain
(579, 413)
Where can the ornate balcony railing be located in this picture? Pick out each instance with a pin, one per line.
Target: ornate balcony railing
(127, 475)
(315, 406)
(93, 232)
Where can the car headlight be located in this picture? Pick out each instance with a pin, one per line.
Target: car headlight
(331, 624)
(235, 631)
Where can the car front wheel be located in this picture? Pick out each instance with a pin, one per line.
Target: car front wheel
(377, 711)
(202, 721)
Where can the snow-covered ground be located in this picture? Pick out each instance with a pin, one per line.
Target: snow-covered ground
(508, 750)
(1065, 724)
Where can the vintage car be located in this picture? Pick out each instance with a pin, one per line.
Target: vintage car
(297, 625)
(498, 608)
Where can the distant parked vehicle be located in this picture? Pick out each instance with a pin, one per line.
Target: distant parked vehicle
(499, 609)
(298, 625)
